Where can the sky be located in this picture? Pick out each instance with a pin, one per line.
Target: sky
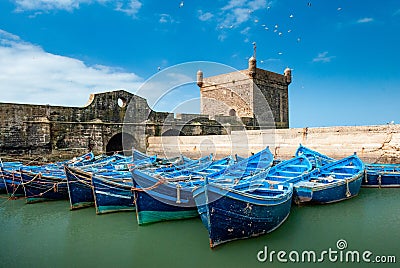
(344, 54)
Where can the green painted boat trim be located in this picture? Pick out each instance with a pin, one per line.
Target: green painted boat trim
(32, 200)
(110, 209)
(82, 205)
(145, 217)
(15, 195)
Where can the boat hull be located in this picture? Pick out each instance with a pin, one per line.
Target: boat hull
(388, 176)
(111, 197)
(151, 210)
(79, 188)
(327, 194)
(43, 188)
(2, 185)
(12, 184)
(231, 216)
(162, 202)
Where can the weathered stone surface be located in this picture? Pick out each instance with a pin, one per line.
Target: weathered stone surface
(374, 144)
(42, 129)
(252, 93)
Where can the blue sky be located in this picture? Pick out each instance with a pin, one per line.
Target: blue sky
(344, 54)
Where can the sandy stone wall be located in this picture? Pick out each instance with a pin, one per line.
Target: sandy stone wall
(376, 144)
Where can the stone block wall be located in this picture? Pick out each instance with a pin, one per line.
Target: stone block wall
(254, 93)
(42, 129)
(220, 94)
(373, 144)
(274, 88)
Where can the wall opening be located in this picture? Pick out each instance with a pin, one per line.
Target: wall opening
(122, 102)
(119, 142)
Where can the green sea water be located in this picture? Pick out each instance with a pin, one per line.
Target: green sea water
(50, 235)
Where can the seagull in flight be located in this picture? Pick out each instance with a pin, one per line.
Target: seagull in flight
(181, 4)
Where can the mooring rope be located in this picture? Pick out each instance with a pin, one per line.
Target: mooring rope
(83, 182)
(178, 193)
(34, 178)
(348, 193)
(55, 188)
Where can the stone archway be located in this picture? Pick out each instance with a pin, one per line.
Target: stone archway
(232, 112)
(119, 142)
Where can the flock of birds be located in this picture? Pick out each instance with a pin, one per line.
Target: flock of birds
(276, 28)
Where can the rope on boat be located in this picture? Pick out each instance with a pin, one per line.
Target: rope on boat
(158, 183)
(366, 175)
(348, 193)
(55, 188)
(82, 181)
(178, 193)
(380, 181)
(12, 196)
(34, 178)
(54, 185)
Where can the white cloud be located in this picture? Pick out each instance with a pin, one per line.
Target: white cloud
(258, 4)
(237, 12)
(365, 20)
(23, 5)
(245, 31)
(323, 57)
(205, 16)
(129, 7)
(28, 74)
(166, 18)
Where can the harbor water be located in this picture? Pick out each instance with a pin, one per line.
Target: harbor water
(50, 235)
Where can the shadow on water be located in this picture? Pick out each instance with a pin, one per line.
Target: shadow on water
(49, 235)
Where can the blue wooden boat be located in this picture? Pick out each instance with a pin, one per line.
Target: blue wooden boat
(382, 176)
(330, 183)
(166, 193)
(249, 166)
(317, 159)
(6, 165)
(242, 211)
(44, 185)
(290, 171)
(79, 180)
(112, 192)
(250, 205)
(161, 197)
(137, 155)
(79, 185)
(376, 175)
(48, 182)
(12, 180)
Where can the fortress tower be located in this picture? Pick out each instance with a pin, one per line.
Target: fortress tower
(244, 94)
